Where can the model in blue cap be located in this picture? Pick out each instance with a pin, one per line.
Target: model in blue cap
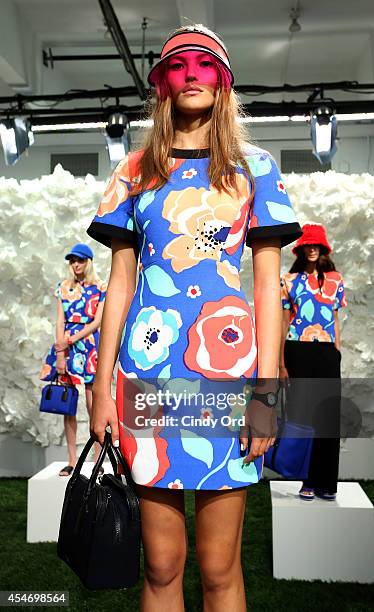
(83, 251)
(73, 357)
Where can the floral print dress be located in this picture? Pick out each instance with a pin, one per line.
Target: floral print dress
(189, 337)
(312, 307)
(80, 305)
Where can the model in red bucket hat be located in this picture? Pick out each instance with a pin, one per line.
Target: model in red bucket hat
(312, 294)
(313, 233)
(180, 211)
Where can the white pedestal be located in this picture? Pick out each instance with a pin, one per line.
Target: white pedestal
(321, 540)
(45, 496)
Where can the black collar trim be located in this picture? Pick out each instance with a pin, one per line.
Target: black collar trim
(189, 153)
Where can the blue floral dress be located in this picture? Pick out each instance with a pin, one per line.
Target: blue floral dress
(80, 305)
(312, 307)
(188, 345)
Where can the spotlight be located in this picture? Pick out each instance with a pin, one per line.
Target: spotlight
(116, 125)
(323, 131)
(117, 136)
(16, 137)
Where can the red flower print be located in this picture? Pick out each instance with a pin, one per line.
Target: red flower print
(222, 340)
(329, 287)
(71, 379)
(91, 361)
(76, 317)
(142, 447)
(281, 187)
(253, 222)
(91, 305)
(193, 291)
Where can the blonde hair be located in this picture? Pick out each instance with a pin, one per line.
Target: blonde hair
(90, 275)
(226, 140)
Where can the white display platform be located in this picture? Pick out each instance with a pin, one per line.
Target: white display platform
(45, 496)
(321, 540)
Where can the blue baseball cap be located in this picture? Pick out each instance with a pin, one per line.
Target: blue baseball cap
(80, 250)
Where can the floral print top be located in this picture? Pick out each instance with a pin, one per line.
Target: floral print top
(189, 325)
(80, 305)
(312, 308)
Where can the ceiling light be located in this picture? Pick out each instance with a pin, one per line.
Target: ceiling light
(274, 119)
(323, 132)
(16, 137)
(116, 125)
(355, 116)
(59, 127)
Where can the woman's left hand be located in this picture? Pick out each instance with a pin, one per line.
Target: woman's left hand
(261, 427)
(61, 346)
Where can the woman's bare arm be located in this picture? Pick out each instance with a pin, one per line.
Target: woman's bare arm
(266, 273)
(60, 322)
(286, 316)
(90, 328)
(120, 292)
(266, 270)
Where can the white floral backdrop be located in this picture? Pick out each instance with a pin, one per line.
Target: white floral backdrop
(42, 218)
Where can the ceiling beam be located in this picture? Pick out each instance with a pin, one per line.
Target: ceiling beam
(121, 43)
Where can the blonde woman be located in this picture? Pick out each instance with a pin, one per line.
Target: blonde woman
(180, 211)
(73, 357)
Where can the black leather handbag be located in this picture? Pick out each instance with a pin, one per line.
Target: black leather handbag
(99, 535)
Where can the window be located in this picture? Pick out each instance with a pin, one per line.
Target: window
(79, 164)
(301, 161)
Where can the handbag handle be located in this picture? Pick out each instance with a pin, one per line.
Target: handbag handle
(115, 457)
(283, 421)
(55, 380)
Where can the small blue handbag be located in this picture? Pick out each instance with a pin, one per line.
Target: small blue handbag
(59, 398)
(291, 452)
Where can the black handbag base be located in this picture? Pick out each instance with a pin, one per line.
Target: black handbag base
(100, 529)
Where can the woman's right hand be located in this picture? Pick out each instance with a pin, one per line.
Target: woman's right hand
(283, 375)
(104, 413)
(60, 363)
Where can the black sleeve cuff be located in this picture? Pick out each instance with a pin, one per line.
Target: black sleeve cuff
(287, 232)
(104, 232)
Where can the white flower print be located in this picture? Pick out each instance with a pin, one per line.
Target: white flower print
(193, 291)
(206, 413)
(189, 174)
(151, 248)
(176, 484)
(281, 187)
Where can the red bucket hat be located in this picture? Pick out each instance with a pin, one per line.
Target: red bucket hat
(191, 40)
(313, 233)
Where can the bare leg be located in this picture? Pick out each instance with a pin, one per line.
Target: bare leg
(97, 447)
(165, 549)
(219, 525)
(70, 425)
